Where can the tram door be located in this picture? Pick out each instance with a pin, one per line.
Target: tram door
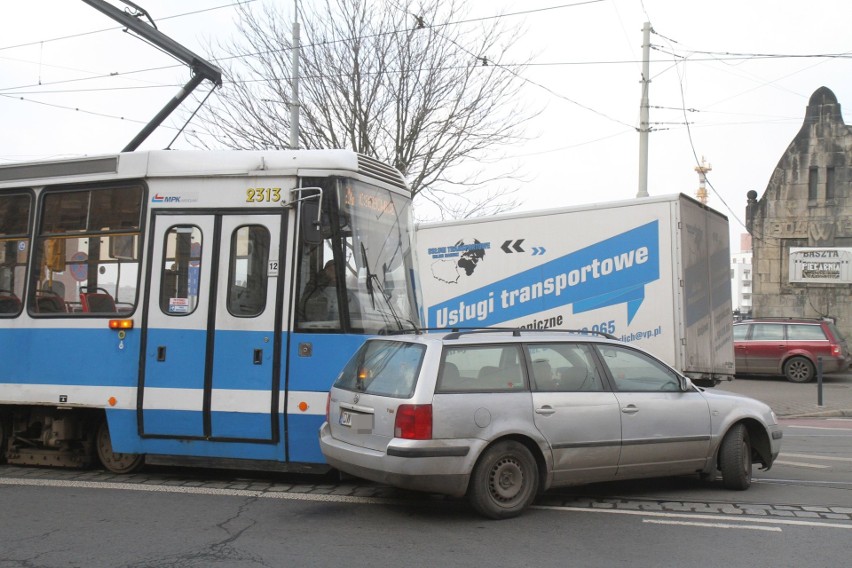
(210, 363)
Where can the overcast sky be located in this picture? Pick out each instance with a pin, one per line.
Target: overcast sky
(744, 70)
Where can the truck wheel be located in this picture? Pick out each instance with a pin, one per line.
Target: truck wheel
(799, 370)
(504, 481)
(735, 459)
(113, 461)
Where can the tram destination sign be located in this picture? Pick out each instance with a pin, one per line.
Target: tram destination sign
(821, 265)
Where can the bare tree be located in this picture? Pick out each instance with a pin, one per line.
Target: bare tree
(409, 83)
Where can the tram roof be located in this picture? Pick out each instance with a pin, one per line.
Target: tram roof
(197, 163)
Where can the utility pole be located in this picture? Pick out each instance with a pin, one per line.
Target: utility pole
(644, 127)
(294, 96)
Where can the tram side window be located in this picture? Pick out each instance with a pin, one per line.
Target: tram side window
(318, 300)
(87, 252)
(14, 249)
(317, 306)
(248, 271)
(181, 270)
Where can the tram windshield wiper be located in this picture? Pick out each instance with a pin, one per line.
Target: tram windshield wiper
(372, 278)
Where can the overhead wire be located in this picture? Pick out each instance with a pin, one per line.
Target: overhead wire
(707, 180)
(5, 91)
(113, 28)
(482, 59)
(710, 56)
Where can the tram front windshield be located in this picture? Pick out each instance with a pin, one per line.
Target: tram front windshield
(367, 235)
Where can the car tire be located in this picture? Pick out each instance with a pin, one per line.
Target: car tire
(735, 459)
(799, 370)
(504, 481)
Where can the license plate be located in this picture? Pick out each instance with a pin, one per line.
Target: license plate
(345, 418)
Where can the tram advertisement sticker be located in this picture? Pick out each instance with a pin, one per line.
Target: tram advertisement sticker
(178, 305)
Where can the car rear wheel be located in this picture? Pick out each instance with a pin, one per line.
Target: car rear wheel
(735, 459)
(799, 370)
(504, 481)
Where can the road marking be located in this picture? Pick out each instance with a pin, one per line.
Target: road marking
(385, 501)
(801, 481)
(799, 464)
(816, 427)
(767, 520)
(813, 457)
(193, 490)
(712, 525)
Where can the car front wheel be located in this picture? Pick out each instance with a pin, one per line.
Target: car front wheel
(504, 481)
(735, 459)
(798, 370)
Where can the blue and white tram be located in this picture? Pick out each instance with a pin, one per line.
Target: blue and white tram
(191, 307)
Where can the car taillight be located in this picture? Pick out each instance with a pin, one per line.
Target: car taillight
(327, 407)
(836, 350)
(413, 422)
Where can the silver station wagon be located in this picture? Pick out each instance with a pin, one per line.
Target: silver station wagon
(501, 415)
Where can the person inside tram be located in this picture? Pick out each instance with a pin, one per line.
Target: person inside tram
(319, 300)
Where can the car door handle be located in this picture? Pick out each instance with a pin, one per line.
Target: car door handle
(629, 409)
(545, 410)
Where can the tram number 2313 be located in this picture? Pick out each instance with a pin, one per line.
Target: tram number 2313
(263, 195)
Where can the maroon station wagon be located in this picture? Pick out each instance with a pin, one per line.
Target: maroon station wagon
(789, 347)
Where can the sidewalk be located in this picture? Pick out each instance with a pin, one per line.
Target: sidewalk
(790, 400)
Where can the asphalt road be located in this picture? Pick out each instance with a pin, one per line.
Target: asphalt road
(799, 513)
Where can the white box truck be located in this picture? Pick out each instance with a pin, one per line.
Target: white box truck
(654, 271)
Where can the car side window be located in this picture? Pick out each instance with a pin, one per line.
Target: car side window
(634, 371)
(487, 368)
(564, 367)
(767, 332)
(740, 332)
(805, 333)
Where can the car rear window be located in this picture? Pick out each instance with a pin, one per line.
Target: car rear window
(805, 333)
(835, 332)
(387, 368)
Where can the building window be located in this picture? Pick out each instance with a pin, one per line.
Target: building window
(813, 178)
(830, 182)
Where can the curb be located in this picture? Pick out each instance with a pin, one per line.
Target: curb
(818, 414)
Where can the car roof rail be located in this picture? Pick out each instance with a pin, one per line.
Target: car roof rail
(783, 319)
(457, 332)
